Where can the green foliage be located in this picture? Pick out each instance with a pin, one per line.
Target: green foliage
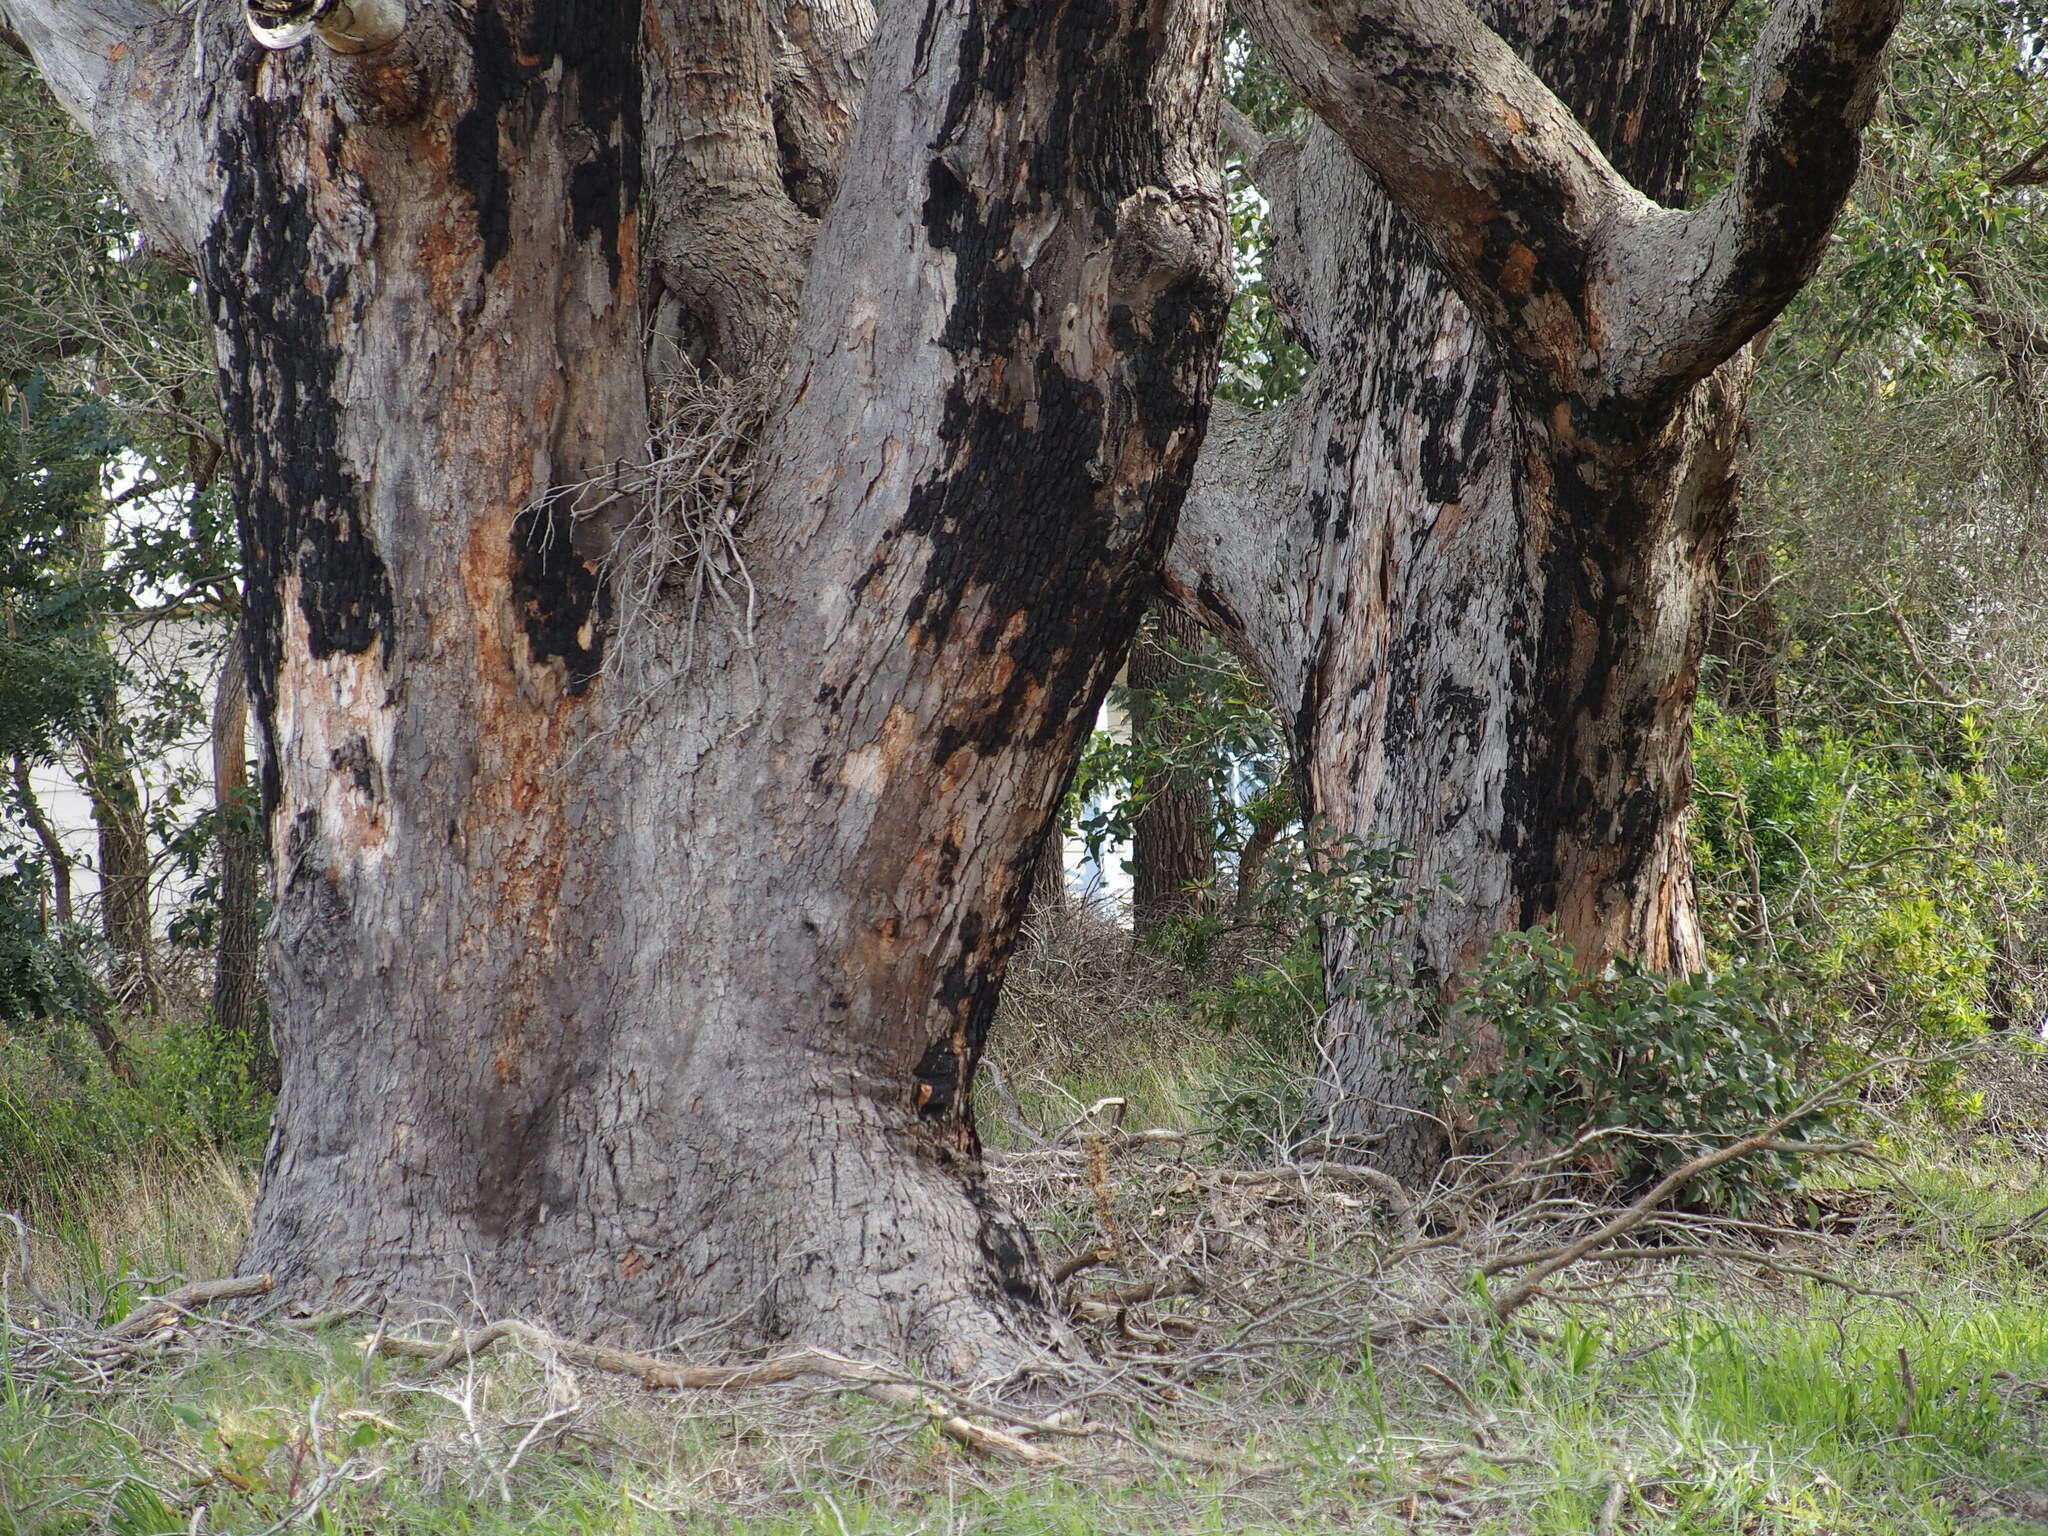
(49, 979)
(53, 669)
(1649, 1069)
(1872, 886)
(1265, 1013)
(1212, 725)
(61, 1129)
(1263, 364)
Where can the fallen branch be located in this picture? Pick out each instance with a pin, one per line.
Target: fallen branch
(877, 1382)
(157, 1310)
(1390, 1189)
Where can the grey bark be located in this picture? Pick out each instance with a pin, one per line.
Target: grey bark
(643, 996)
(1049, 890)
(107, 773)
(1511, 472)
(54, 852)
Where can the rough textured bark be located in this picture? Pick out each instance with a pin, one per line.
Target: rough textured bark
(641, 996)
(1049, 889)
(237, 1011)
(1172, 857)
(1512, 467)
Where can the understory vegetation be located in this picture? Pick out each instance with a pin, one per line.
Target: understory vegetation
(1258, 1347)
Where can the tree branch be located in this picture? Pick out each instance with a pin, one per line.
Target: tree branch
(1242, 133)
(1236, 552)
(1511, 194)
(1585, 285)
(125, 72)
(1739, 261)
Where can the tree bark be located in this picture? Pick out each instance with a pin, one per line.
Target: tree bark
(1049, 890)
(238, 947)
(1172, 858)
(1511, 469)
(1267, 825)
(630, 967)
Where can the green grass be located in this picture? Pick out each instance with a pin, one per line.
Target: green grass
(1717, 1409)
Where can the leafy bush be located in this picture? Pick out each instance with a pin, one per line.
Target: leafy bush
(1872, 888)
(1546, 1053)
(47, 976)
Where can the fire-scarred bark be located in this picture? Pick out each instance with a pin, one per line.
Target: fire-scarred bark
(640, 995)
(1475, 558)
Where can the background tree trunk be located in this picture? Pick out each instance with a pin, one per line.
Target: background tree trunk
(1172, 852)
(238, 1012)
(54, 852)
(1049, 889)
(109, 779)
(1511, 497)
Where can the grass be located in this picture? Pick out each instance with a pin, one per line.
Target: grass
(1707, 1409)
(1699, 1403)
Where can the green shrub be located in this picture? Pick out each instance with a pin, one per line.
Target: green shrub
(1871, 887)
(48, 976)
(1544, 1053)
(65, 1124)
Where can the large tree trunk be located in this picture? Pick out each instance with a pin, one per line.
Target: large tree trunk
(1511, 571)
(1172, 844)
(636, 938)
(238, 1013)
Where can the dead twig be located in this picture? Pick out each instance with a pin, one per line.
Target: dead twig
(153, 1313)
(877, 1382)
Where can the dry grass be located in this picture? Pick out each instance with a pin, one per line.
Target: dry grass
(156, 1221)
(1231, 1378)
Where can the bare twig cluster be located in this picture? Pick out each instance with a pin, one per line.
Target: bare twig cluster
(673, 520)
(1228, 1271)
(44, 1335)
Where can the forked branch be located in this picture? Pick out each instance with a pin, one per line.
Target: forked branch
(1741, 259)
(125, 72)
(1586, 286)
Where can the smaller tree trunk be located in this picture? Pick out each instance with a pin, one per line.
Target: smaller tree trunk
(1267, 825)
(1171, 859)
(238, 1012)
(53, 848)
(96, 1023)
(1049, 880)
(110, 783)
